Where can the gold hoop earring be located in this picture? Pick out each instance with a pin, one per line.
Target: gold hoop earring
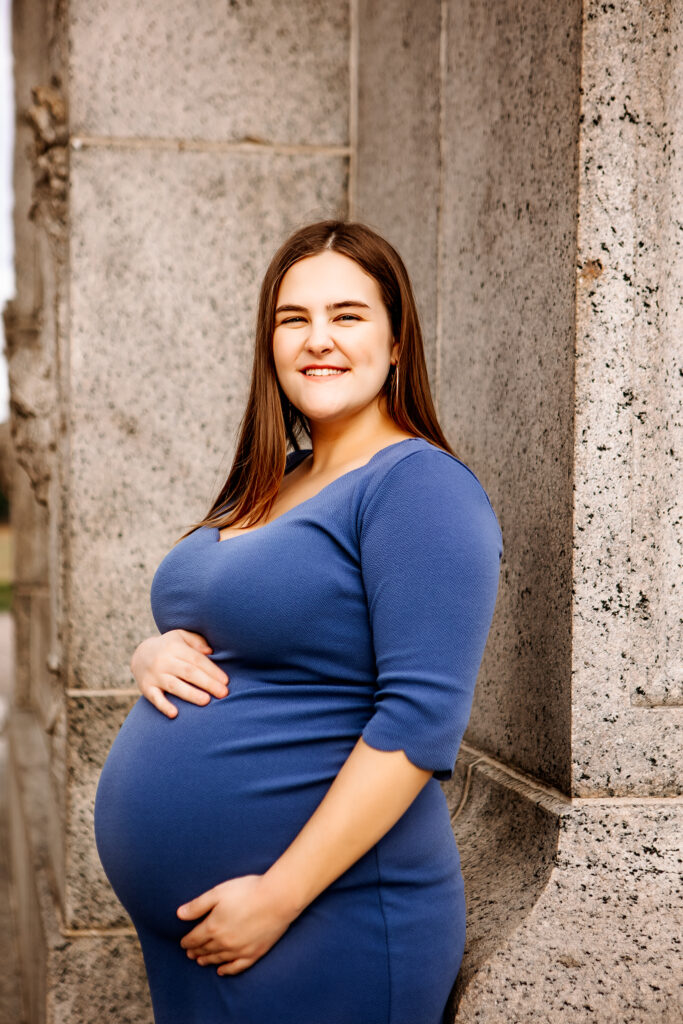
(394, 383)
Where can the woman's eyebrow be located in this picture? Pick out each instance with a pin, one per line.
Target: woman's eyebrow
(329, 306)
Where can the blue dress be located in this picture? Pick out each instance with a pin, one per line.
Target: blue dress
(364, 610)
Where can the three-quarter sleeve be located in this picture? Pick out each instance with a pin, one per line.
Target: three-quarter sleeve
(430, 550)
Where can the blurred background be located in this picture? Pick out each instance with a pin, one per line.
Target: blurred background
(6, 278)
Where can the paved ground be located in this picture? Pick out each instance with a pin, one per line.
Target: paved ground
(10, 1001)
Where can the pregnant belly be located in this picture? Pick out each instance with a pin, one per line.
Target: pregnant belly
(219, 791)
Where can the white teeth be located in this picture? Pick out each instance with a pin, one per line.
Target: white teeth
(322, 373)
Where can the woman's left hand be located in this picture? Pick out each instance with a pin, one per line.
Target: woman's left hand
(245, 918)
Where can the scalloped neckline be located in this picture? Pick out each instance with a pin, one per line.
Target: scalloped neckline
(215, 530)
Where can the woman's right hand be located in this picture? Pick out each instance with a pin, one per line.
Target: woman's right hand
(176, 662)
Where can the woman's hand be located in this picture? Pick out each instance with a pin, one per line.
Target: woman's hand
(246, 916)
(176, 662)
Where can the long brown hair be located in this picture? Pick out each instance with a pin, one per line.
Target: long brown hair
(270, 422)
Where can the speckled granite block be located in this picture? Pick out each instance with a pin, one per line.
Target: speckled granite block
(93, 723)
(97, 979)
(627, 672)
(398, 142)
(558, 363)
(276, 72)
(168, 251)
(575, 908)
(509, 176)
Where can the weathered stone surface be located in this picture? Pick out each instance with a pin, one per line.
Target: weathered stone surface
(521, 158)
(627, 673)
(93, 723)
(269, 71)
(121, 992)
(575, 908)
(29, 545)
(509, 152)
(10, 977)
(70, 976)
(396, 171)
(168, 251)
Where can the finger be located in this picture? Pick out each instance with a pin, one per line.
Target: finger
(194, 639)
(204, 665)
(156, 697)
(195, 668)
(221, 957)
(185, 691)
(206, 947)
(202, 904)
(196, 940)
(237, 966)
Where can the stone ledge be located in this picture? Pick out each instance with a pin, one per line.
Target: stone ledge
(93, 976)
(574, 906)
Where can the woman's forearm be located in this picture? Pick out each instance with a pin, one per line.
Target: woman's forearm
(370, 793)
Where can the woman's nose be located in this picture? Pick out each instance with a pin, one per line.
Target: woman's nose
(319, 336)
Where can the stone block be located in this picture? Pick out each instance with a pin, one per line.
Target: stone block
(397, 168)
(574, 906)
(46, 691)
(21, 641)
(70, 976)
(93, 723)
(509, 170)
(10, 977)
(30, 529)
(28, 931)
(168, 251)
(273, 72)
(628, 678)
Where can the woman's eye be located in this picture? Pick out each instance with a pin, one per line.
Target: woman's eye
(343, 316)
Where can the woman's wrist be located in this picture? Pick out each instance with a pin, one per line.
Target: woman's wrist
(140, 652)
(285, 891)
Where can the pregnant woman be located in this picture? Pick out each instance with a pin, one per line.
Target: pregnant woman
(270, 813)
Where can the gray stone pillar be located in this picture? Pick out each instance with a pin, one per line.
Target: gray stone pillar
(522, 158)
(163, 151)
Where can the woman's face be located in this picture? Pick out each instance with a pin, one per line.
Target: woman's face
(329, 312)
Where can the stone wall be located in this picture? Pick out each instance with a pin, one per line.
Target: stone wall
(130, 348)
(520, 156)
(523, 157)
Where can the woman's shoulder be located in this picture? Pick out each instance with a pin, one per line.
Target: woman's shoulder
(417, 462)
(421, 473)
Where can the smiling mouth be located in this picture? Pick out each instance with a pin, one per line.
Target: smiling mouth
(323, 374)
